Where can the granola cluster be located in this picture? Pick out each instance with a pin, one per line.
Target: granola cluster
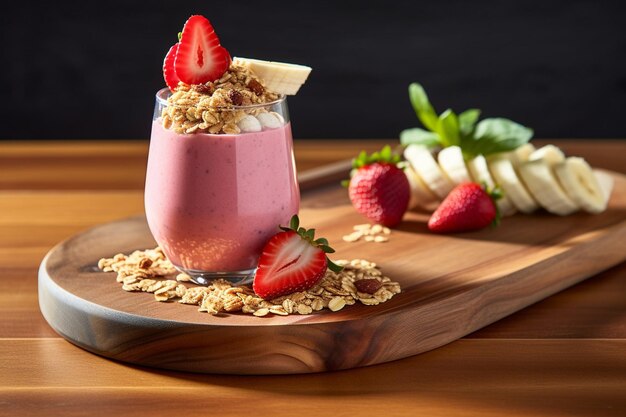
(150, 271)
(209, 107)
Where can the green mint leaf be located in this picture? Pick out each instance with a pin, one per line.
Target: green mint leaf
(345, 183)
(467, 121)
(448, 128)
(470, 146)
(423, 109)
(503, 129)
(294, 222)
(333, 266)
(419, 137)
(498, 135)
(500, 146)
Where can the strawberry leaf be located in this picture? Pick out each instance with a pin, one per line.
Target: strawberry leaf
(327, 249)
(321, 241)
(295, 222)
(333, 266)
(385, 154)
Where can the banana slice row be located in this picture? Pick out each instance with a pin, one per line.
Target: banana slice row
(529, 178)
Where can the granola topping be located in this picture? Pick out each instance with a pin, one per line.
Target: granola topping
(210, 107)
(150, 271)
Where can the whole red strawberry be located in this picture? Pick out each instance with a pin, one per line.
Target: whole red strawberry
(292, 260)
(378, 189)
(467, 207)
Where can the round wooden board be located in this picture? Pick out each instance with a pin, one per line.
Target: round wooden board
(451, 286)
(88, 308)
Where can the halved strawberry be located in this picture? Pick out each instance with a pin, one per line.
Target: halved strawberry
(200, 57)
(292, 261)
(169, 74)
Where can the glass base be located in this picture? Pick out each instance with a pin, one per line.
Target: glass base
(205, 277)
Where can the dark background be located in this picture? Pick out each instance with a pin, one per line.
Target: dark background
(90, 69)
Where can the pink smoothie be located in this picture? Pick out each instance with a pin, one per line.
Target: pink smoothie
(213, 201)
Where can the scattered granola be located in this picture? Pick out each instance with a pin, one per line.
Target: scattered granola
(150, 271)
(370, 233)
(210, 107)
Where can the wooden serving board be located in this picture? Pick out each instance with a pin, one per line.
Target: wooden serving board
(452, 285)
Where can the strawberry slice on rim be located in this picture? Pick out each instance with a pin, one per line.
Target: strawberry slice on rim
(292, 260)
(169, 74)
(200, 57)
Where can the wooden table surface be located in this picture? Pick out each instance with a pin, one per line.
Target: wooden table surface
(563, 356)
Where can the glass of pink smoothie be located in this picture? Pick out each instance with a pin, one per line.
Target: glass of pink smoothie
(213, 200)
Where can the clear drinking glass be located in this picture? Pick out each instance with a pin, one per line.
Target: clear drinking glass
(213, 200)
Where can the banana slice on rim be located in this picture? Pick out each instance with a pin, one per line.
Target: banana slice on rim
(279, 77)
(424, 164)
(581, 184)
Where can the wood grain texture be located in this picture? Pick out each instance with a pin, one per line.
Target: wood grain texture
(466, 378)
(452, 285)
(121, 165)
(514, 367)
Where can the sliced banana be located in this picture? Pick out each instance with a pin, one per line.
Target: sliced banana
(502, 170)
(452, 163)
(606, 183)
(528, 177)
(549, 153)
(278, 77)
(424, 164)
(421, 196)
(581, 184)
(480, 173)
(545, 188)
(521, 154)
